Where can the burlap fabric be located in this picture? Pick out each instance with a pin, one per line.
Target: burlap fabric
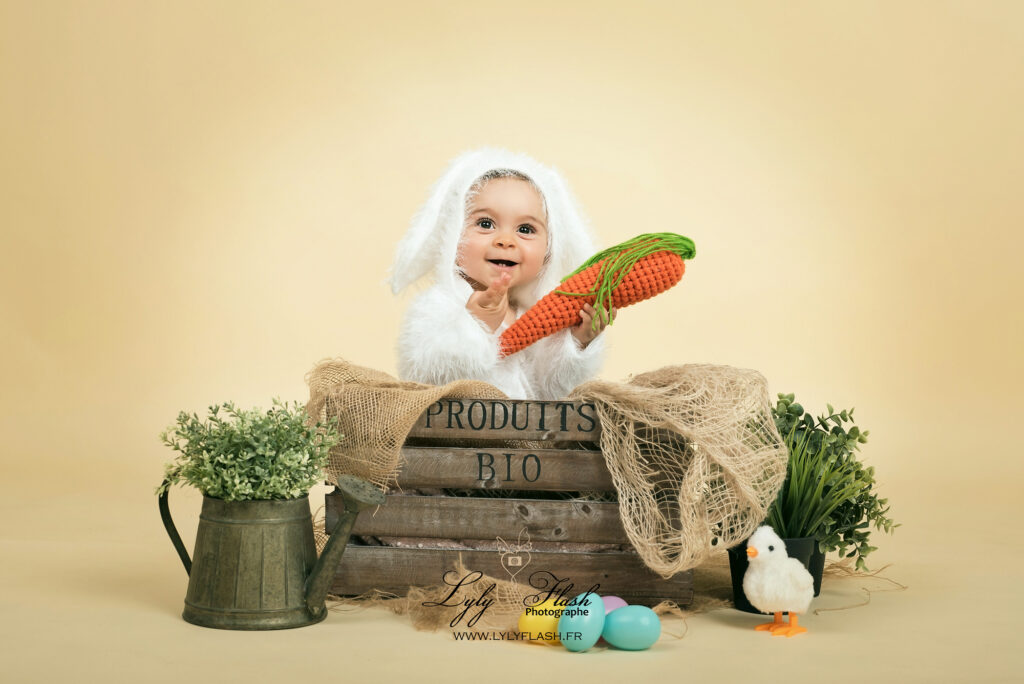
(693, 450)
(694, 455)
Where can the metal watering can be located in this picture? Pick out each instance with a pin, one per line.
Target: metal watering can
(255, 561)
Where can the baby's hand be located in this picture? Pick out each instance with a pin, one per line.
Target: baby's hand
(585, 332)
(491, 305)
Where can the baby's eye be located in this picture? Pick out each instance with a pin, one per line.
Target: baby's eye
(485, 223)
(527, 229)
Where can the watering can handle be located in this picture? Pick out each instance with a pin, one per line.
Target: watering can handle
(172, 531)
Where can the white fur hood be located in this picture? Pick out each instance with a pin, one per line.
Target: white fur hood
(431, 242)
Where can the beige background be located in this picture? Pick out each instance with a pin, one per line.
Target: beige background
(200, 200)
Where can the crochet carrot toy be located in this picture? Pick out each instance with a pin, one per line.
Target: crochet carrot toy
(619, 276)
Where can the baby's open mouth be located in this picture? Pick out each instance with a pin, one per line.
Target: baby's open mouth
(502, 262)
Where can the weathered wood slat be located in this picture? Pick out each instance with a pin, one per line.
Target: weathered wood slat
(491, 419)
(394, 570)
(449, 517)
(484, 421)
(491, 468)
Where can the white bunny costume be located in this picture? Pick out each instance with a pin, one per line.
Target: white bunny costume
(440, 341)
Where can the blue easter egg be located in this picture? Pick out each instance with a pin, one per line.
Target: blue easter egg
(631, 628)
(581, 623)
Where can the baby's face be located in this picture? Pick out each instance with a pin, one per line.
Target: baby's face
(505, 232)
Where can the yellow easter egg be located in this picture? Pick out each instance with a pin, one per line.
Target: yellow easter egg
(539, 624)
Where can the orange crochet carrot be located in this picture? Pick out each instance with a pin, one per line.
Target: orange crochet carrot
(619, 276)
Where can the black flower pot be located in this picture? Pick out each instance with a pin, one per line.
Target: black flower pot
(817, 568)
(804, 550)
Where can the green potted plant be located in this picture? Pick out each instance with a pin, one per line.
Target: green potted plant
(255, 562)
(847, 525)
(248, 455)
(828, 501)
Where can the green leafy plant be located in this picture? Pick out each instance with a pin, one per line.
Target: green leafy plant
(244, 455)
(828, 493)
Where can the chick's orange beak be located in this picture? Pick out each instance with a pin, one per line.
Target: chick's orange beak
(751, 552)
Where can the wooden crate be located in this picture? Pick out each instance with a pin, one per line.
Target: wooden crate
(486, 464)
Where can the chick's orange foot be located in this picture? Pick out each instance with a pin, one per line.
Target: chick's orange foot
(791, 629)
(773, 625)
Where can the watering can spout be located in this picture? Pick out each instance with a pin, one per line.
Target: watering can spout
(358, 495)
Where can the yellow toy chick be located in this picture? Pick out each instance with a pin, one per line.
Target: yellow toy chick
(775, 583)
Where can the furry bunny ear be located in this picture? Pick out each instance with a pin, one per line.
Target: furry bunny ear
(417, 253)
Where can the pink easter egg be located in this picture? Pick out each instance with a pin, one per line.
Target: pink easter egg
(612, 602)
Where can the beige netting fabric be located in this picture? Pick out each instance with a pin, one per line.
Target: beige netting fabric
(693, 450)
(694, 455)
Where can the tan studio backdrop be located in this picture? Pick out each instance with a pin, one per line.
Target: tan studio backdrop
(200, 200)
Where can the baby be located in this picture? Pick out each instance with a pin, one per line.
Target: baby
(498, 231)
